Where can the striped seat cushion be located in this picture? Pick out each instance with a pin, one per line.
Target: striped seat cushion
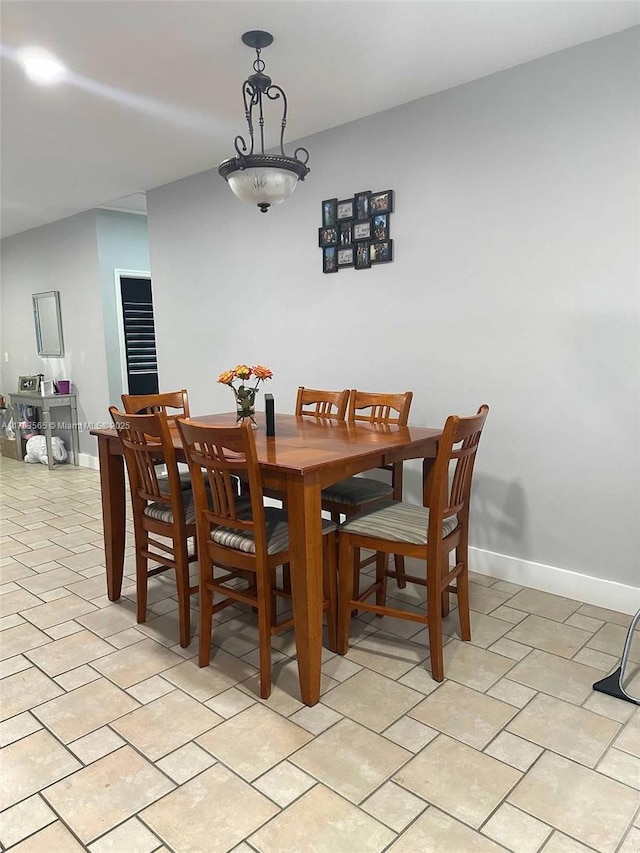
(357, 490)
(277, 530)
(162, 512)
(396, 521)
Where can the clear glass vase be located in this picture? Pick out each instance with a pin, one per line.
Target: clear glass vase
(245, 405)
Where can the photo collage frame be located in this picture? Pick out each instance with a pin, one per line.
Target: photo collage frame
(356, 232)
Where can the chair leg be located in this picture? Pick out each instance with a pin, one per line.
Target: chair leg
(142, 580)
(446, 604)
(401, 576)
(331, 589)
(345, 591)
(382, 564)
(434, 613)
(463, 598)
(184, 596)
(356, 576)
(264, 631)
(205, 620)
(445, 595)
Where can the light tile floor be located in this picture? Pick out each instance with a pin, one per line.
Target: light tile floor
(114, 741)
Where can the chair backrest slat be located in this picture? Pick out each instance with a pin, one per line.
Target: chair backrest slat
(174, 404)
(380, 408)
(327, 405)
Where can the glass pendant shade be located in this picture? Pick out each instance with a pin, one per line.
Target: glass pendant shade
(263, 181)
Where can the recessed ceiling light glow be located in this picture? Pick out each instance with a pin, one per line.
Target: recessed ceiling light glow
(41, 67)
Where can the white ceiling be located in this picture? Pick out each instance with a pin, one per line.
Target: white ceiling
(155, 91)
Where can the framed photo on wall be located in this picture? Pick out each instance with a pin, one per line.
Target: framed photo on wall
(381, 252)
(362, 258)
(380, 226)
(362, 205)
(346, 232)
(345, 256)
(362, 230)
(327, 237)
(329, 212)
(381, 202)
(344, 209)
(330, 259)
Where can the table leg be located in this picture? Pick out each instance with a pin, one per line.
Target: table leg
(305, 534)
(113, 515)
(46, 414)
(75, 443)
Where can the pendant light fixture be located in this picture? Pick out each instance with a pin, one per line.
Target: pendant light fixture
(262, 179)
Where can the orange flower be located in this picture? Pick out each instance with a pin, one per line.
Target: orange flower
(262, 372)
(243, 371)
(227, 377)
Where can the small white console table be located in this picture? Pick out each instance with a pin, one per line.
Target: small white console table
(46, 402)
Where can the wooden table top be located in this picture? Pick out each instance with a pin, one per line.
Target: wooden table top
(303, 444)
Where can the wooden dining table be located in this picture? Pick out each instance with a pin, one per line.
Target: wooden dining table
(305, 455)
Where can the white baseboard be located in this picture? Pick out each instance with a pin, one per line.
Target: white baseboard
(87, 461)
(598, 591)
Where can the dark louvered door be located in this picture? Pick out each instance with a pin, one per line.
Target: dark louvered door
(139, 335)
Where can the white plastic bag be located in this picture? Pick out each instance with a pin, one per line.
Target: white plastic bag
(37, 450)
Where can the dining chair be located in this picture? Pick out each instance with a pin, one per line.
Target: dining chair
(429, 532)
(163, 509)
(237, 543)
(354, 494)
(325, 405)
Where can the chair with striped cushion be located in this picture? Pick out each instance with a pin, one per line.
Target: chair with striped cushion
(237, 544)
(324, 405)
(354, 494)
(163, 509)
(430, 532)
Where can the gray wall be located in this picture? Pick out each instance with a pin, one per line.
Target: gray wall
(61, 256)
(123, 244)
(76, 256)
(515, 283)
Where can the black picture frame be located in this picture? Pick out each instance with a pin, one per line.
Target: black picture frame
(362, 230)
(329, 212)
(361, 202)
(356, 231)
(381, 251)
(346, 256)
(345, 236)
(362, 257)
(330, 259)
(381, 202)
(344, 209)
(327, 236)
(29, 384)
(380, 226)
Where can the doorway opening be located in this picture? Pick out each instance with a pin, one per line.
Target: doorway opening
(138, 334)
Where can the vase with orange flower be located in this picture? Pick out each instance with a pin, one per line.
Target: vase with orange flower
(245, 381)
